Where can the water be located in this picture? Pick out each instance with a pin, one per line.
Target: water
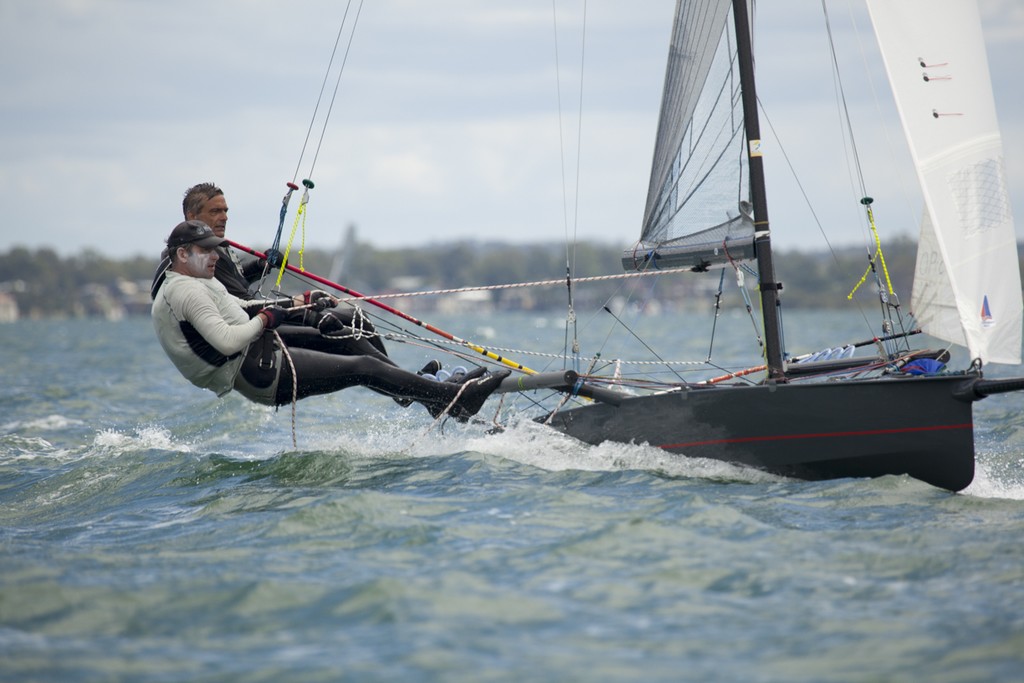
(151, 531)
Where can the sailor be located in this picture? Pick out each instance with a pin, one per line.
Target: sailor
(206, 202)
(215, 343)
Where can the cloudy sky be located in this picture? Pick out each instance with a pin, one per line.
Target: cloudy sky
(446, 123)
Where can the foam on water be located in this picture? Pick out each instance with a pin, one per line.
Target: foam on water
(46, 423)
(997, 480)
(542, 447)
(141, 438)
(16, 447)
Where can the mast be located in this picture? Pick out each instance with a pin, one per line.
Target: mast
(762, 238)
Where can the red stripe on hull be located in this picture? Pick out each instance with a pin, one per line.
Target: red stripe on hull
(824, 435)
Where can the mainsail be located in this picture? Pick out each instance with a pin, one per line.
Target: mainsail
(697, 213)
(967, 287)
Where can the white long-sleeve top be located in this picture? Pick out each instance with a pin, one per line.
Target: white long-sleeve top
(203, 330)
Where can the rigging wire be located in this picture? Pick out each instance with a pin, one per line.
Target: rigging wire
(855, 167)
(886, 129)
(896, 346)
(645, 344)
(570, 241)
(807, 201)
(388, 329)
(842, 104)
(274, 257)
(323, 87)
(337, 83)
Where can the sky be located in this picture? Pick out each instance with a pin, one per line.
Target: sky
(453, 119)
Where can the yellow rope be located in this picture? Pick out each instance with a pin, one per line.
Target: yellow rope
(878, 252)
(881, 256)
(301, 213)
(863, 278)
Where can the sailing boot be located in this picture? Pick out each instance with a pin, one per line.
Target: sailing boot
(478, 390)
(479, 385)
(431, 368)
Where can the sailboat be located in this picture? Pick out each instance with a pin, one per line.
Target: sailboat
(831, 414)
(836, 415)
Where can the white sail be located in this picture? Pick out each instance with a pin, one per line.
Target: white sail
(967, 285)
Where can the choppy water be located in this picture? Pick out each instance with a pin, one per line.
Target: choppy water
(151, 532)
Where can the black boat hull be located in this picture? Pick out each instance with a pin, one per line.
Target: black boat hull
(828, 430)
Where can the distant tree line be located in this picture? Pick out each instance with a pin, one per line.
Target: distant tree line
(40, 278)
(46, 273)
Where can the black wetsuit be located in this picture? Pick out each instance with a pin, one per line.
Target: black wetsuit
(322, 369)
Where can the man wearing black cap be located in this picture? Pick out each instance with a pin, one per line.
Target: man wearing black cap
(209, 337)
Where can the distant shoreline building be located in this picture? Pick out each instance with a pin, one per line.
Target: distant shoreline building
(8, 308)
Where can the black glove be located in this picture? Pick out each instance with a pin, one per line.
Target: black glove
(318, 299)
(331, 326)
(274, 316)
(274, 258)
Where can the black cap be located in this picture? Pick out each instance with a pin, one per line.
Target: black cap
(194, 232)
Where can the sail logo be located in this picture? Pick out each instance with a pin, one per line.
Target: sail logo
(986, 313)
